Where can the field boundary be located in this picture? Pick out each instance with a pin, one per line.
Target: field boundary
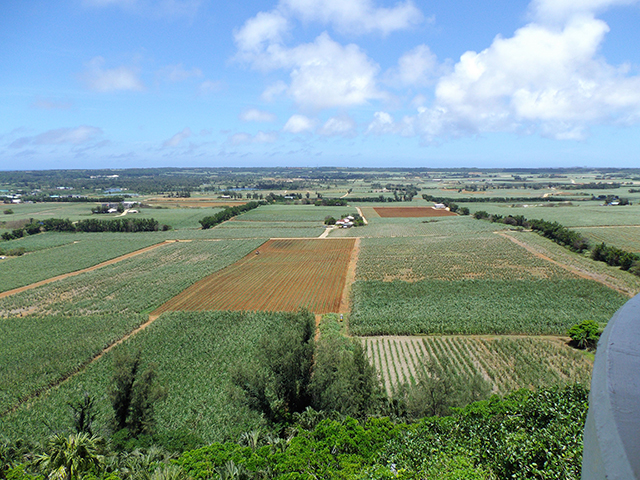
(79, 369)
(573, 269)
(350, 278)
(84, 270)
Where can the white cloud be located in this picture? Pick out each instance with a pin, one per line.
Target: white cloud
(99, 79)
(355, 16)
(543, 78)
(59, 136)
(382, 123)
(417, 67)
(343, 126)
(324, 74)
(265, 27)
(561, 10)
(177, 73)
(255, 115)
(177, 139)
(299, 124)
(274, 90)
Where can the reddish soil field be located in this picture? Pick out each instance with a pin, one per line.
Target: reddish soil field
(406, 212)
(281, 275)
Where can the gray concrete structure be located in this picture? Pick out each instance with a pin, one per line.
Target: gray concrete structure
(612, 430)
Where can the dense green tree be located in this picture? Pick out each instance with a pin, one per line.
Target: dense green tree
(133, 394)
(343, 379)
(585, 334)
(277, 384)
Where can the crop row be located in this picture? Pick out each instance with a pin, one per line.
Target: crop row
(626, 238)
(282, 275)
(36, 352)
(135, 285)
(292, 213)
(195, 354)
(507, 363)
(479, 256)
(83, 251)
(254, 229)
(417, 227)
(479, 306)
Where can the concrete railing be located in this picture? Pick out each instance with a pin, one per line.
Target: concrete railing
(612, 430)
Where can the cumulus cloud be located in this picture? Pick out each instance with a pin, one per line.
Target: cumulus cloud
(418, 67)
(177, 139)
(324, 73)
(72, 136)
(177, 73)
(343, 126)
(561, 10)
(255, 115)
(543, 78)
(382, 123)
(299, 124)
(104, 80)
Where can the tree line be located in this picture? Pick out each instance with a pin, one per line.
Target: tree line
(122, 225)
(614, 256)
(227, 214)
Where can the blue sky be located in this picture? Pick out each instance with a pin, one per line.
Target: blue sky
(364, 83)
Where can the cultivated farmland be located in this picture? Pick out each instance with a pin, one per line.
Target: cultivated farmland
(624, 237)
(135, 285)
(281, 275)
(452, 257)
(508, 363)
(412, 212)
(196, 354)
(479, 306)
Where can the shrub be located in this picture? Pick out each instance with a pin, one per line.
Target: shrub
(585, 334)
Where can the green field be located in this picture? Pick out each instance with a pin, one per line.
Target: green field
(479, 306)
(414, 276)
(624, 237)
(195, 354)
(135, 285)
(452, 257)
(507, 363)
(63, 253)
(579, 214)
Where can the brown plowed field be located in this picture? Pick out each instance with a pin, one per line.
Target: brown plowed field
(281, 275)
(406, 212)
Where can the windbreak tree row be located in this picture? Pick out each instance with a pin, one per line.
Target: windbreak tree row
(129, 225)
(227, 214)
